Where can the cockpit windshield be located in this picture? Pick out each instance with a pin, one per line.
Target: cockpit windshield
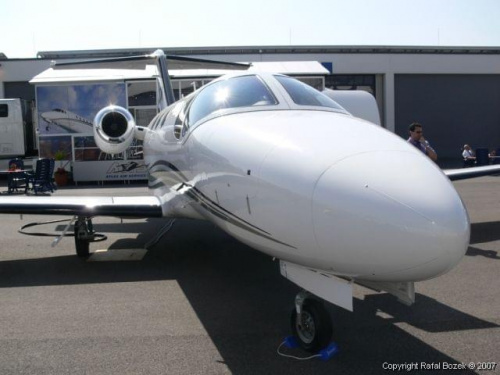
(243, 91)
(303, 94)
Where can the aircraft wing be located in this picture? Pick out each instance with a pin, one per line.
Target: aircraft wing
(466, 173)
(140, 61)
(138, 206)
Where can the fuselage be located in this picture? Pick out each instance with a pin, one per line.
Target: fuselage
(310, 185)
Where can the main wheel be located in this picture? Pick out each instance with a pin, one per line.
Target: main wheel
(314, 327)
(81, 245)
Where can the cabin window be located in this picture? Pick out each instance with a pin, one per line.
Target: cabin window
(237, 92)
(303, 94)
(4, 110)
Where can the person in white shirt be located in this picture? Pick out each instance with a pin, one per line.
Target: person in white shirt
(469, 156)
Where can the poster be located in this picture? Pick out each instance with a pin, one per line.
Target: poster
(69, 109)
(65, 127)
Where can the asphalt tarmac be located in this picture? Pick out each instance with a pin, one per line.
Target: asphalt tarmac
(200, 302)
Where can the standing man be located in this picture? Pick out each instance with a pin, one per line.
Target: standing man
(418, 140)
(469, 156)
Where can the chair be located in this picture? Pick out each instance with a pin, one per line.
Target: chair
(469, 163)
(16, 176)
(482, 157)
(41, 180)
(51, 174)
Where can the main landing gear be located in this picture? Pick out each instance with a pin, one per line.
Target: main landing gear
(84, 234)
(311, 323)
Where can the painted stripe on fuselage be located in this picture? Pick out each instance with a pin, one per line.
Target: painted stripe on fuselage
(229, 217)
(208, 204)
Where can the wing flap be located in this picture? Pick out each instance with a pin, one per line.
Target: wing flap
(134, 206)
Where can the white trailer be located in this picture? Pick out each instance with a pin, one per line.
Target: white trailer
(17, 136)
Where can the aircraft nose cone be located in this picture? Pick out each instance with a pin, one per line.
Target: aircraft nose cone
(390, 216)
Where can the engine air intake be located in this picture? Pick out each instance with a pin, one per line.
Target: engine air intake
(114, 125)
(114, 129)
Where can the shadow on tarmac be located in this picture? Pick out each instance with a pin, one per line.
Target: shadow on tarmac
(244, 304)
(473, 251)
(485, 232)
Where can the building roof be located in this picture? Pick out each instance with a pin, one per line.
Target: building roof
(271, 50)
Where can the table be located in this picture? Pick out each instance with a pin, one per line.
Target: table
(17, 178)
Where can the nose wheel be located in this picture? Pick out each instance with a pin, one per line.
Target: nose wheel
(311, 323)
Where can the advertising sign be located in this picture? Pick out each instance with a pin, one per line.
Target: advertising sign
(110, 170)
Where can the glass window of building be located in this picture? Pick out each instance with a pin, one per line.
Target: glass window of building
(141, 93)
(365, 82)
(4, 110)
(142, 101)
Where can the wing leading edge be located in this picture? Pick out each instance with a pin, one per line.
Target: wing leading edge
(138, 206)
(466, 173)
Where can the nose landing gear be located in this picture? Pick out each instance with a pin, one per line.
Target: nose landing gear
(311, 323)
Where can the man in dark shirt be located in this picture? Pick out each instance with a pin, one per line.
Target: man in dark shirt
(417, 139)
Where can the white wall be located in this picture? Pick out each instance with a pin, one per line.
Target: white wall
(20, 71)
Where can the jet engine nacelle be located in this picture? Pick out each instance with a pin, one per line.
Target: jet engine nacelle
(114, 129)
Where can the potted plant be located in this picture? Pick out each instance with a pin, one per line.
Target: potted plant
(60, 175)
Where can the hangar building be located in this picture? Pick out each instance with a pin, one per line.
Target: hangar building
(453, 91)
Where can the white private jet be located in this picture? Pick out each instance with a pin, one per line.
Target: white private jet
(67, 120)
(289, 172)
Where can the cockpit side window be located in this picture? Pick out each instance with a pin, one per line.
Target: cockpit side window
(180, 124)
(244, 91)
(156, 121)
(303, 94)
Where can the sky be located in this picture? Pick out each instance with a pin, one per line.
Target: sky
(30, 26)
